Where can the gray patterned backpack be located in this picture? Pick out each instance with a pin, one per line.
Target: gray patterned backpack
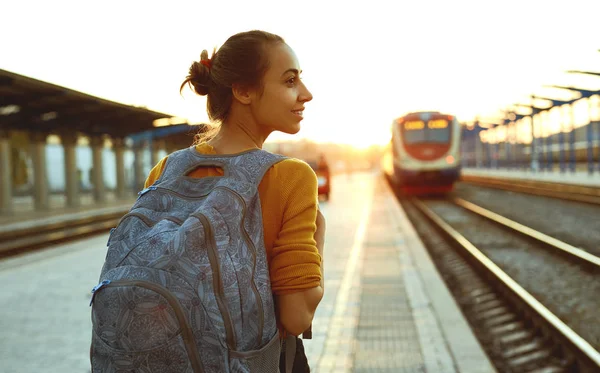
(185, 285)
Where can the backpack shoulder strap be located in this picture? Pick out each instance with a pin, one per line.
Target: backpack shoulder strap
(251, 166)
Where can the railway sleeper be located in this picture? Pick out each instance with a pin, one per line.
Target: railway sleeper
(480, 291)
(485, 298)
(507, 328)
(526, 348)
(482, 307)
(550, 369)
(516, 337)
(531, 360)
(499, 320)
(498, 311)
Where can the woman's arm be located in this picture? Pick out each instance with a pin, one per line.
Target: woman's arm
(302, 232)
(320, 240)
(297, 310)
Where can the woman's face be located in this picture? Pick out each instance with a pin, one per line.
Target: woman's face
(280, 104)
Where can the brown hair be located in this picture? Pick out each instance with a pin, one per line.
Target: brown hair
(240, 60)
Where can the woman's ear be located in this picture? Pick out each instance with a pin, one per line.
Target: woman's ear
(242, 94)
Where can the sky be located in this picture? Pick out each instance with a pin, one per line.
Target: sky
(366, 62)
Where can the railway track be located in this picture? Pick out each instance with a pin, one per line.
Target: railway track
(15, 238)
(519, 332)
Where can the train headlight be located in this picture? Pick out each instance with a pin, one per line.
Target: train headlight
(450, 159)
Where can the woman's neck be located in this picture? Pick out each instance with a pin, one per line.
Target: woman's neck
(236, 137)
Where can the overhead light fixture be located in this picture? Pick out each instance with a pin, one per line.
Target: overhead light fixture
(49, 116)
(9, 109)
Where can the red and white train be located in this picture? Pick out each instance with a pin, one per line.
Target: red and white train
(423, 156)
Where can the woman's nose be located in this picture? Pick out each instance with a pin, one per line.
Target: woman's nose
(306, 95)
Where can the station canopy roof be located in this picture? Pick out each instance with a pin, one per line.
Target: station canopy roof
(29, 104)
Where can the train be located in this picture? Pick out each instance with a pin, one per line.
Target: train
(423, 155)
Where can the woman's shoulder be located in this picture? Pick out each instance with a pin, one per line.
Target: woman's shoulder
(291, 178)
(293, 167)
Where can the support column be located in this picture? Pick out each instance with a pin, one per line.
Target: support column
(535, 165)
(119, 148)
(478, 151)
(98, 169)
(561, 139)
(572, 159)
(590, 138)
(138, 166)
(157, 146)
(6, 177)
(598, 134)
(508, 146)
(69, 143)
(549, 154)
(495, 148)
(40, 179)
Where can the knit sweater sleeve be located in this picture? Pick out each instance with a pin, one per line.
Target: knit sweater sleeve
(295, 263)
(155, 172)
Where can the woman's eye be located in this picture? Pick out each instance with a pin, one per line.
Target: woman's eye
(291, 81)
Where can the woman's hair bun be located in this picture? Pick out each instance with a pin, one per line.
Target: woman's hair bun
(199, 75)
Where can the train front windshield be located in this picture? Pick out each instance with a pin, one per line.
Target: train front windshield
(435, 131)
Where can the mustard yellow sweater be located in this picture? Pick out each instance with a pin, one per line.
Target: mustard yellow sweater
(288, 197)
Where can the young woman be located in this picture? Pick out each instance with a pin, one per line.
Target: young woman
(253, 88)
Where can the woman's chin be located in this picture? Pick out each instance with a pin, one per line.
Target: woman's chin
(291, 130)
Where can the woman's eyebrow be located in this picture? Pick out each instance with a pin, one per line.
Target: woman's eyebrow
(295, 71)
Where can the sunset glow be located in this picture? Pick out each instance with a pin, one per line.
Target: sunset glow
(365, 62)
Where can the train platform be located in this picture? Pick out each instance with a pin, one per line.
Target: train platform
(25, 217)
(385, 309)
(577, 177)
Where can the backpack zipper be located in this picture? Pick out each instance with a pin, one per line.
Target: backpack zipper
(186, 332)
(143, 218)
(96, 288)
(145, 190)
(213, 258)
(254, 251)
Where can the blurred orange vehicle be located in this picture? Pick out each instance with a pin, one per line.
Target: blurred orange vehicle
(323, 175)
